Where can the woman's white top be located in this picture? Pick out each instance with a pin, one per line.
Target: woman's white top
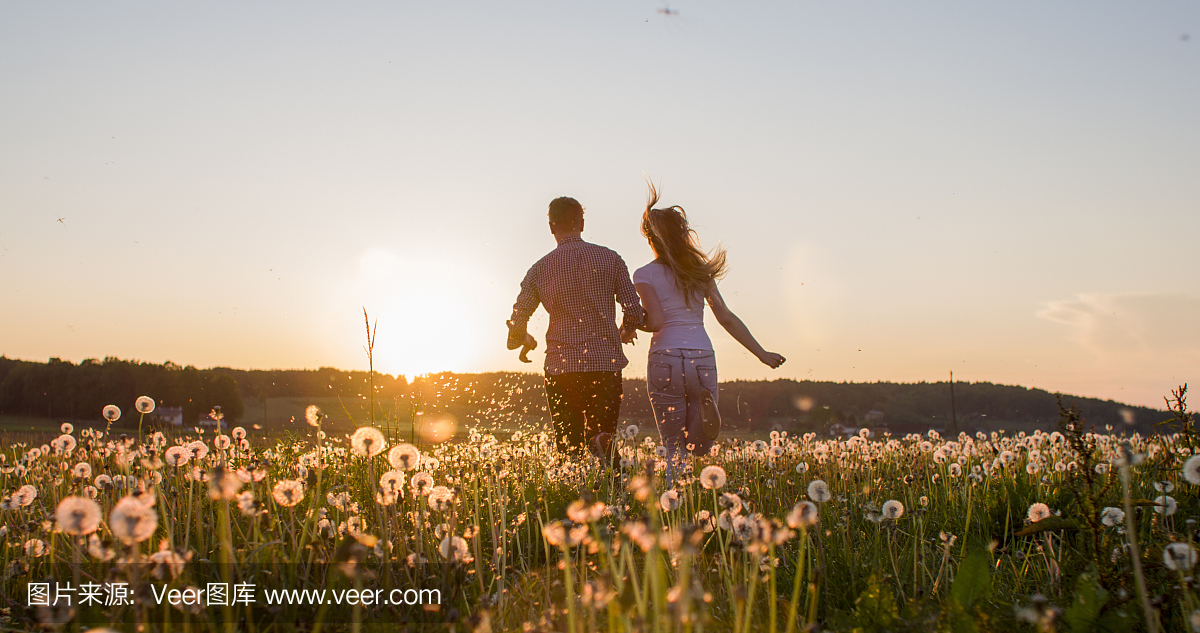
(683, 323)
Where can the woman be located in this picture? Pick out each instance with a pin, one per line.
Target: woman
(682, 372)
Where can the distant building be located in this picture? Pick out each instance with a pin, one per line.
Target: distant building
(171, 415)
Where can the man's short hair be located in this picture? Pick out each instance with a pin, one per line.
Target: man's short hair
(565, 210)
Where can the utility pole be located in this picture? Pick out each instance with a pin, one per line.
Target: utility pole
(953, 414)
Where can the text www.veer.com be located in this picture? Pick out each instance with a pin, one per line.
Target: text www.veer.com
(365, 597)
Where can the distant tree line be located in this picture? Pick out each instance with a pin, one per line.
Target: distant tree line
(62, 389)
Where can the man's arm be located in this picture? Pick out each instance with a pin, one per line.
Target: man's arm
(631, 307)
(527, 302)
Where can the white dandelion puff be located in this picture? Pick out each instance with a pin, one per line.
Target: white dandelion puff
(893, 509)
(818, 491)
(803, 514)
(1038, 511)
(132, 521)
(1191, 470)
(78, 515)
(1112, 517)
(144, 405)
(367, 441)
(288, 492)
(404, 457)
(1166, 505)
(1179, 556)
(713, 477)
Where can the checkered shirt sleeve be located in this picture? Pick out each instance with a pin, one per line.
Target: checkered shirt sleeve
(579, 284)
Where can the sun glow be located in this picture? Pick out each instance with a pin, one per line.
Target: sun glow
(427, 311)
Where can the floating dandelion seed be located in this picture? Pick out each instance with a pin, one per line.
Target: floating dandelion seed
(713, 477)
(144, 405)
(1179, 556)
(893, 509)
(1112, 517)
(111, 413)
(288, 492)
(1166, 505)
(804, 513)
(367, 441)
(78, 515)
(819, 491)
(404, 457)
(132, 521)
(1038, 511)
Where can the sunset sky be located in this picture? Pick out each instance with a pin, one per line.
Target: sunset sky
(1007, 190)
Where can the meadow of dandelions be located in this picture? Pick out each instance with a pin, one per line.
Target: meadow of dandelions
(785, 533)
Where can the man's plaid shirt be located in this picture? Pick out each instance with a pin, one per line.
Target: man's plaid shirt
(577, 283)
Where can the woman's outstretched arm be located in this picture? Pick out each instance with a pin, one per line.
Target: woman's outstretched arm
(736, 328)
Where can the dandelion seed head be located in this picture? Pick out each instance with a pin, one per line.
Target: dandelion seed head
(803, 514)
(818, 491)
(404, 457)
(132, 521)
(367, 441)
(112, 413)
(1112, 517)
(1166, 505)
(1191, 470)
(1038, 512)
(893, 509)
(1179, 556)
(78, 515)
(144, 405)
(288, 492)
(713, 477)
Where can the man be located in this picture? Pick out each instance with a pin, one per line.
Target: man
(577, 283)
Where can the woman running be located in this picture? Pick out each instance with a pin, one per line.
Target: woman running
(681, 373)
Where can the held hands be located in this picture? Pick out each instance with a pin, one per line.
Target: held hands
(629, 336)
(771, 359)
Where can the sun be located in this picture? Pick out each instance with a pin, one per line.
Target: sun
(426, 310)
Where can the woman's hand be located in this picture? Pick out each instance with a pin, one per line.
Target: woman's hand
(628, 336)
(771, 359)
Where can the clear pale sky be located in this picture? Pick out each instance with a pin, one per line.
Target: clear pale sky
(1009, 190)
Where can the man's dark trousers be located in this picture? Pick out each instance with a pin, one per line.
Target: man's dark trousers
(582, 406)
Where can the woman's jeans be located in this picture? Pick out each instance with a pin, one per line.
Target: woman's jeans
(676, 378)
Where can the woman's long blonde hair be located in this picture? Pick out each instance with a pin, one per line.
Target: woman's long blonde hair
(676, 245)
